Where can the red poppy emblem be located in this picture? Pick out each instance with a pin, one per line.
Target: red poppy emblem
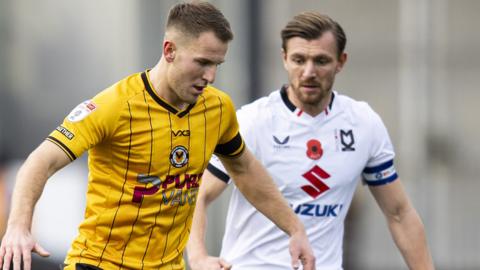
(314, 149)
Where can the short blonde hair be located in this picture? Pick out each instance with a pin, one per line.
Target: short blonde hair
(199, 17)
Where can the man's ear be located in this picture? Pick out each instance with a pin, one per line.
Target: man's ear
(341, 61)
(169, 49)
(284, 58)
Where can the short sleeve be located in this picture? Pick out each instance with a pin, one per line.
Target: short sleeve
(88, 124)
(246, 120)
(230, 142)
(380, 169)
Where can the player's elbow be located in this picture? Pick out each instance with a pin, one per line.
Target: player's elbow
(405, 215)
(397, 213)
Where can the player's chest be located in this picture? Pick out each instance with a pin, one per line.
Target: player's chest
(324, 156)
(166, 141)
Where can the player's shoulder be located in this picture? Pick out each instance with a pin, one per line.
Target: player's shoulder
(121, 91)
(214, 97)
(211, 92)
(262, 107)
(108, 103)
(357, 108)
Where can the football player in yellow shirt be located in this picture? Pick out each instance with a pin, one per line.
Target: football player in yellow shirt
(149, 138)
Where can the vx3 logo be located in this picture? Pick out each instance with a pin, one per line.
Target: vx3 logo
(315, 176)
(180, 132)
(284, 141)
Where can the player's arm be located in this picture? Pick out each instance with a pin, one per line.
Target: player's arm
(252, 179)
(404, 223)
(18, 243)
(198, 257)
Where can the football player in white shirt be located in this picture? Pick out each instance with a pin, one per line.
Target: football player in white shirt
(317, 144)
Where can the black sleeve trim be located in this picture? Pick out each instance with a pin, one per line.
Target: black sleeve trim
(62, 146)
(230, 148)
(218, 173)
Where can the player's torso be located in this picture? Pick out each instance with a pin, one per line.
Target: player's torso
(316, 163)
(144, 181)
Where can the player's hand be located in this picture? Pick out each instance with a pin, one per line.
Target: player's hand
(209, 263)
(17, 247)
(301, 251)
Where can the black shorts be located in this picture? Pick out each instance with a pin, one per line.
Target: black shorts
(84, 266)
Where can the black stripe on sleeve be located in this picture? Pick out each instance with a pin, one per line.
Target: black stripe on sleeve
(218, 173)
(62, 146)
(229, 148)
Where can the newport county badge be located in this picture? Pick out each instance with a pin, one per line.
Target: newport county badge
(81, 111)
(179, 156)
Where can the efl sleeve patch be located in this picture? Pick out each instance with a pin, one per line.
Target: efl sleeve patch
(380, 174)
(81, 111)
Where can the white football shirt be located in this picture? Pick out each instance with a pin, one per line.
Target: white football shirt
(316, 163)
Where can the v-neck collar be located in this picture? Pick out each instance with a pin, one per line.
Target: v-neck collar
(288, 103)
(160, 101)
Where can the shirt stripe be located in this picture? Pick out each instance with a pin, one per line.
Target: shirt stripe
(148, 173)
(378, 168)
(123, 187)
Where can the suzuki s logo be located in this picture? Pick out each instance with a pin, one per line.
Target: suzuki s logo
(184, 133)
(315, 176)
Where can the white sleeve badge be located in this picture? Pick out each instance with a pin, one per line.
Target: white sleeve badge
(81, 111)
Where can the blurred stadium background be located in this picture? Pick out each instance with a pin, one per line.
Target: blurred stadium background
(415, 61)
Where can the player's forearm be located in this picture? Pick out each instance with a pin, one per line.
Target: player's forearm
(196, 244)
(29, 184)
(409, 235)
(210, 189)
(42, 163)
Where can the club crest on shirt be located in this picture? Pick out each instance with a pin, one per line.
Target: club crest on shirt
(179, 156)
(345, 140)
(81, 111)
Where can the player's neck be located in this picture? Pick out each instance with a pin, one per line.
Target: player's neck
(161, 88)
(310, 109)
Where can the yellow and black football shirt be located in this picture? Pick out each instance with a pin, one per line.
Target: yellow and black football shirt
(146, 161)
